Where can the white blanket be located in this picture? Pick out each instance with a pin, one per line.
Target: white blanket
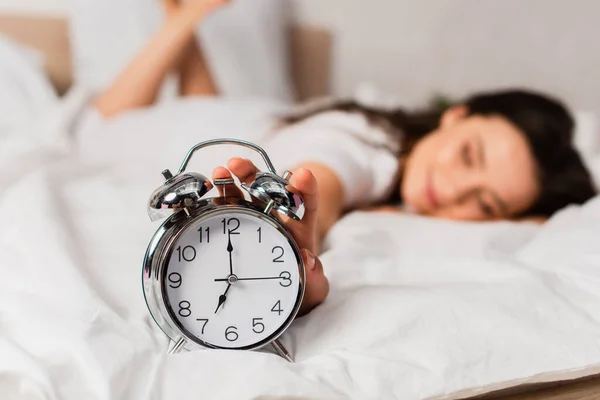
(419, 308)
(25, 93)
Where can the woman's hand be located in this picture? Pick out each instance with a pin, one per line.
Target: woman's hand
(304, 231)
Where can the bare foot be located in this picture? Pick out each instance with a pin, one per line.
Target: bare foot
(199, 8)
(205, 6)
(170, 6)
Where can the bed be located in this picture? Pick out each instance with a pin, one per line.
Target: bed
(525, 324)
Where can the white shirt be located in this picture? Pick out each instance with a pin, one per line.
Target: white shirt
(358, 152)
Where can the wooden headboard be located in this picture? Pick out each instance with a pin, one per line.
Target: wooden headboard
(311, 49)
(49, 35)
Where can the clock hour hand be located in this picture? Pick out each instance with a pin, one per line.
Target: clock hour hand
(223, 298)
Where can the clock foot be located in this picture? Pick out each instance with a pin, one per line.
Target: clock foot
(175, 347)
(281, 350)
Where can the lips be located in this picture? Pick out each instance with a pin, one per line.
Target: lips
(430, 192)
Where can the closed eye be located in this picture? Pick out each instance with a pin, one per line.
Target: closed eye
(467, 156)
(486, 209)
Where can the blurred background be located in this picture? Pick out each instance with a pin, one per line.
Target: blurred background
(387, 52)
(415, 48)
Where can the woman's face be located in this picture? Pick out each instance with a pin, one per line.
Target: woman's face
(471, 168)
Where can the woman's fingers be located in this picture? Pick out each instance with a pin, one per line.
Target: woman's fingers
(302, 179)
(244, 169)
(306, 183)
(317, 285)
(302, 183)
(305, 231)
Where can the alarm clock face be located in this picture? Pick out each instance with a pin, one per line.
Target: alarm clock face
(233, 280)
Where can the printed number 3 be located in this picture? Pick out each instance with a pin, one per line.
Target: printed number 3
(286, 279)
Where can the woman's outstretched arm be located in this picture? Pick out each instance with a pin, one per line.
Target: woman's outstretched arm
(139, 84)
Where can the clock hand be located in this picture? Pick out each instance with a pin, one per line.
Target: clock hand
(230, 250)
(252, 279)
(223, 298)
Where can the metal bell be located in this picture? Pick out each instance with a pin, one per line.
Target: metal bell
(179, 192)
(271, 189)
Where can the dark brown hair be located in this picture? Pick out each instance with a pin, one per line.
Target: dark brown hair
(544, 121)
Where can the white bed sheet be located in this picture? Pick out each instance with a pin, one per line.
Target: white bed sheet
(419, 308)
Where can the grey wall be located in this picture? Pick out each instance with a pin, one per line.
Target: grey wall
(414, 48)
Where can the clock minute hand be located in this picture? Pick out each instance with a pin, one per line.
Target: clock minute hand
(230, 250)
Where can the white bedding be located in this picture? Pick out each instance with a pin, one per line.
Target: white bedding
(25, 93)
(419, 308)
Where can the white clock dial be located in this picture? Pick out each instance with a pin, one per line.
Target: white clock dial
(232, 280)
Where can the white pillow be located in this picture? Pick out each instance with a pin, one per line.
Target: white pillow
(245, 43)
(26, 94)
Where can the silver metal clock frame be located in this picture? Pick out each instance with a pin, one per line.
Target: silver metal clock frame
(237, 142)
(156, 262)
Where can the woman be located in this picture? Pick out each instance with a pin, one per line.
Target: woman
(504, 155)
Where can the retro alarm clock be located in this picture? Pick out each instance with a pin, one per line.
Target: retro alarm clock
(224, 272)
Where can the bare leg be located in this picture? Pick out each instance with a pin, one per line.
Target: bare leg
(139, 84)
(194, 77)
